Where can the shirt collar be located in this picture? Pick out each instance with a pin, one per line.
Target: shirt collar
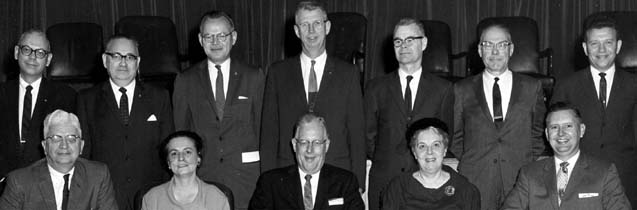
(609, 72)
(302, 173)
(403, 74)
(129, 87)
(571, 161)
(57, 174)
(225, 65)
(320, 59)
(35, 84)
(490, 77)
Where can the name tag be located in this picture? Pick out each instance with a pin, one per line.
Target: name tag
(335, 201)
(588, 195)
(249, 157)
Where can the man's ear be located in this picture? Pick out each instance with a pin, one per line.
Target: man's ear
(296, 31)
(619, 46)
(585, 49)
(328, 26)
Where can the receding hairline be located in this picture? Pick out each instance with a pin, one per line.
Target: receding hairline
(114, 38)
(503, 28)
(408, 22)
(309, 6)
(31, 32)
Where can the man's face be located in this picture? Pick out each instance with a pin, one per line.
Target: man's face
(495, 49)
(30, 64)
(121, 60)
(62, 146)
(601, 47)
(310, 147)
(217, 38)
(564, 132)
(409, 43)
(312, 27)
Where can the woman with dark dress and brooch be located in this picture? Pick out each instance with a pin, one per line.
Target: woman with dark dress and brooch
(433, 185)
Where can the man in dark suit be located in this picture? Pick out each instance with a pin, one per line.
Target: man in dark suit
(220, 98)
(571, 179)
(27, 100)
(319, 83)
(61, 180)
(309, 184)
(395, 100)
(498, 120)
(125, 120)
(610, 115)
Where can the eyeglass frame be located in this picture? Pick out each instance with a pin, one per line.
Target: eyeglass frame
(489, 46)
(310, 142)
(117, 57)
(221, 37)
(316, 24)
(407, 41)
(71, 138)
(31, 51)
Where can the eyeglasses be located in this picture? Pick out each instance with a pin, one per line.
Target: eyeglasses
(316, 25)
(117, 57)
(221, 37)
(27, 51)
(186, 154)
(500, 45)
(71, 139)
(306, 142)
(406, 41)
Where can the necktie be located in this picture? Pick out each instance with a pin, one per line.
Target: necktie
(26, 114)
(312, 87)
(65, 192)
(408, 94)
(562, 180)
(220, 97)
(123, 106)
(602, 89)
(307, 193)
(497, 104)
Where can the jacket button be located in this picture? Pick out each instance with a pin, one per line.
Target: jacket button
(495, 160)
(221, 160)
(408, 119)
(601, 146)
(402, 169)
(220, 138)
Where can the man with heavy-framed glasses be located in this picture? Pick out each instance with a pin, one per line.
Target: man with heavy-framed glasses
(124, 121)
(25, 101)
(498, 120)
(310, 183)
(61, 180)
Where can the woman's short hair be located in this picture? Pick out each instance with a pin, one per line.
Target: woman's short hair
(194, 137)
(425, 124)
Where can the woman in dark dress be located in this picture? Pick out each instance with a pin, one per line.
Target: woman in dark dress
(433, 186)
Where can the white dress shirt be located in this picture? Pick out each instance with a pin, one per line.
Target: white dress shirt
(571, 165)
(319, 68)
(610, 75)
(34, 96)
(57, 179)
(413, 85)
(314, 182)
(130, 93)
(225, 70)
(505, 83)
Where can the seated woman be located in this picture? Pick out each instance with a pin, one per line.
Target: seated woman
(185, 190)
(433, 186)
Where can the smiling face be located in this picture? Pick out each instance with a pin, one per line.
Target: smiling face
(496, 61)
(564, 131)
(310, 156)
(30, 65)
(601, 47)
(429, 149)
(122, 71)
(183, 157)
(62, 155)
(217, 38)
(312, 27)
(409, 53)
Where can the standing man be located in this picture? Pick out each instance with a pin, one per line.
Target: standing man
(395, 100)
(220, 99)
(27, 100)
(125, 120)
(498, 120)
(314, 82)
(607, 97)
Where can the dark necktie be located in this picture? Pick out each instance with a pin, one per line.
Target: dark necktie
(562, 180)
(497, 104)
(408, 94)
(602, 89)
(312, 87)
(307, 193)
(123, 106)
(65, 192)
(220, 97)
(26, 114)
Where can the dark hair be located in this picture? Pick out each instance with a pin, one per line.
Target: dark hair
(309, 6)
(34, 31)
(563, 106)
(214, 15)
(120, 36)
(194, 137)
(424, 124)
(598, 22)
(409, 21)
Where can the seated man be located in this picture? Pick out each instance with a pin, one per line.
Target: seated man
(61, 180)
(571, 179)
(311, 184)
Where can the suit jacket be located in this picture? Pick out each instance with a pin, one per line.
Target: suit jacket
(129, 151)
(51, 96)
(486, 151)
(339, 101)
(227, 137)
(31, 187)
(610, 132)
(388, 120)
(281, 189)
(594, 184)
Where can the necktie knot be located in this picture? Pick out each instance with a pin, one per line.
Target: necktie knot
(409, 78)
(563, 167)
(313, 62)
(123, 90)
(308, 177)
(218, 67)
(602, 74)
(496, 79)
(29, 88)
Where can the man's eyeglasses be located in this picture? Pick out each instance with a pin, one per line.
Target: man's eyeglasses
(500, 45)
(221, 37)
(316, 25)
(27, 51)
(117, 57)
(306, 142)
(71, 139)
(406, 41)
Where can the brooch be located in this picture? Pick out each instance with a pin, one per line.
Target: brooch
(450, 190)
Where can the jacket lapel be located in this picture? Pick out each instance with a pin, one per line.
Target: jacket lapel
(550, 181)
(590, 90)
(422, 90)
(13, 93)
(41, 101)
(140, 101)
(295, 79)
(479, 92)
(618, 86)
(233, 86)
(516, 91)
(326, 80)
(108, 97)
(78, 184)
(396, 91)
(294, 187)
(323, 189)
(577, 176)
(206, 86)
(46, 185)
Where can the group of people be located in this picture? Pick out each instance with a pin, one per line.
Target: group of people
(266, 136)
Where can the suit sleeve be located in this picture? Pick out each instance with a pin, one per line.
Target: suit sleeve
(371, 121)
(356, 129)
(106, 194)
(353, 199)
(258, 101)
(82, 114)
(613, 195)
(13, 196)
(181, 111)
(538, 122)
(457, 143)
(447, 108)
(262, 197)
(518, 198)
(166, 114)
(269, 124)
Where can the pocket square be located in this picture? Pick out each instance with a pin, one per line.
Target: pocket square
(335, 201)
(588, 195)
(152, 118)
(242, 97)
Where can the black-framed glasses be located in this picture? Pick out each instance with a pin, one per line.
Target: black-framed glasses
(117, 57)
(27, 51)
(311, 142)
(406, 41)
(499, 46)
(71, 139)
(221, 37)
(316, 25)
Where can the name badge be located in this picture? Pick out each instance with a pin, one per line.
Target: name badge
(249, 157)
(335, 201)
(588, 195)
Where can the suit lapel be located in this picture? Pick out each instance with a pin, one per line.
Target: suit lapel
(323, 189)
(422, 91)
(294, 187)
(111, 102)
(397, 93)
(295, 78)
(46, 185)
(233, 86)
(326, 80)
(13, 93)
(78, 184)
(139, 102)
(590, 90)
(618, 86)
(577, 176)
(41, 101)
(516, 91)
(550, 181)
(479, 92)
(206, 86)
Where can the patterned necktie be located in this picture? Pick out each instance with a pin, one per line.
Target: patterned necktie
(307, 193)
(26, 114)
(220, 97)
(65, 192)
(408, 94)
(312, 87)
(562, 180)
(602, 89)
(123, 106)
(497, 104)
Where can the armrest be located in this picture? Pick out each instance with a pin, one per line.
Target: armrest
(548, 54)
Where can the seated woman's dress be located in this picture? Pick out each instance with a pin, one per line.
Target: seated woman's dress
(209, 197)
